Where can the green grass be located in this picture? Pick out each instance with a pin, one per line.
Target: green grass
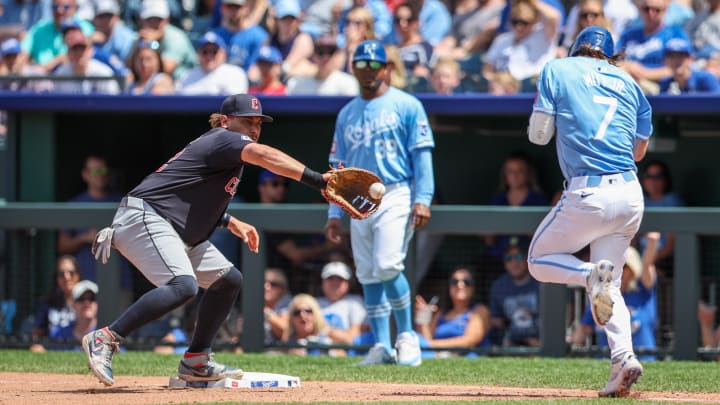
(501, 371)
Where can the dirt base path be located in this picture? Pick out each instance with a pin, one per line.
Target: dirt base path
(56, 389)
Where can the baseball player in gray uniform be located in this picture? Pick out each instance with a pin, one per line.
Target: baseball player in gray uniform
(162, 226)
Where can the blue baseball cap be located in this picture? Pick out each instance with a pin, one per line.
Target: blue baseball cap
(372, 50)
(269, 54)
(69, 24)
(678, 45)
(213, 39)
(10, 46)
(287, 8)
(267, 175)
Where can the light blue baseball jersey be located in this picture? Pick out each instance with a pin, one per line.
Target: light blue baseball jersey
(380, 135)
(599, 112)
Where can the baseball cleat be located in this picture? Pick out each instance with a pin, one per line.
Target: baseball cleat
(408, 349)
(203, 367)
(599, 282)
(378, 354)
(623, 374)
(99, 346)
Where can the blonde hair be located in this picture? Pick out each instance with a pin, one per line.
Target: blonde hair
(217, 120)
(319, 320)
(366, 15)
(397, 74)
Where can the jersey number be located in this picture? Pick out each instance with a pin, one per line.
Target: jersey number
(611, 102)
(385, 149)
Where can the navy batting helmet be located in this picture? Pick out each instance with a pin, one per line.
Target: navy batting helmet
(371, 49)
(597, 38)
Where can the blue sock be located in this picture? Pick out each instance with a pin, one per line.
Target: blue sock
(378, 312)
(398, 294)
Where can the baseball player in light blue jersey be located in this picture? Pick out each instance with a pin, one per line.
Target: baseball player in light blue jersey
(385, 130)
(603, 123)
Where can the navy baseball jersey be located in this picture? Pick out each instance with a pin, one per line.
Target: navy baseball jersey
(196, 184)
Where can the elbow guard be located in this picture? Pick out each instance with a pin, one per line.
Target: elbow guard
(541, 128)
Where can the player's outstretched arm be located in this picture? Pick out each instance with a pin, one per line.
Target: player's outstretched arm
(280, 163)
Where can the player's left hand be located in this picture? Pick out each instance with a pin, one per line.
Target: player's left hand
(246, 232)
(420, 215)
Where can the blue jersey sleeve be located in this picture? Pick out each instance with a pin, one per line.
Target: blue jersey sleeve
(644, 116)
(545, 98)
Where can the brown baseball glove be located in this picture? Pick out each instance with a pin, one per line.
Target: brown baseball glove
(349, 187)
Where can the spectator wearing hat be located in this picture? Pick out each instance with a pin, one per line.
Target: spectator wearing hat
(678, 56)
(11, 65)
(111, 34)
(86, 308)
(243, 37)
(43, 43)
(295, 46)
(344, 312)
(327, 80)
(515, 299)
(80, 63)
(177, 52)
(213, 76)
(638, 288)
(268, 64)
(81, 320)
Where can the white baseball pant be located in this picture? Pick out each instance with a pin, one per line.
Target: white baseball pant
(601, 211)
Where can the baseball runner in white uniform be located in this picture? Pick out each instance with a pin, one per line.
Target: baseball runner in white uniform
(386, 131)
(603, 123)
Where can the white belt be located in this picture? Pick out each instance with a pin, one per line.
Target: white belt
(399, 184)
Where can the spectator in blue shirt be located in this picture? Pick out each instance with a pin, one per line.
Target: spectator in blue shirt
(678, 57)
(515, 300)
(644, 45)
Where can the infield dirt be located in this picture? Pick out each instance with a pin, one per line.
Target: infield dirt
(33, 389)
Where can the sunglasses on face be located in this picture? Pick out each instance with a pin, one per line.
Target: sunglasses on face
(355, 22)
(466, 281)
(274, 284)
(65, 272)
(653, 176)
(275, 183)
(78, 48)
(90, 298)
(518, 22)
(647, 9)
(325, 51)
(96, 171)
(61, 7)
(299, 311)
(589, 14)
(373, 64)
(399, 20)
(514, 256)
(209, 51)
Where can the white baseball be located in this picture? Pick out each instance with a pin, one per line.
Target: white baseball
(377, 190)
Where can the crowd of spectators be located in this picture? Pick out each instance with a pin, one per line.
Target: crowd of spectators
(303, 46)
